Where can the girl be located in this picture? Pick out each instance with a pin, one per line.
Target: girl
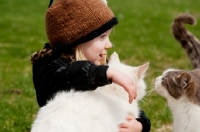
(75, 57)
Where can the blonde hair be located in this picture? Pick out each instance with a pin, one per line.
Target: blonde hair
(80, 55)
(77, 55)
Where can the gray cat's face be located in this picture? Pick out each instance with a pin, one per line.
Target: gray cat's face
(172, 83)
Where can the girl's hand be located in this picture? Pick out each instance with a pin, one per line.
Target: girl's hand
(131, 125)
(124, 81)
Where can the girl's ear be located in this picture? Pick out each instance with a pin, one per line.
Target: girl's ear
(114, 58)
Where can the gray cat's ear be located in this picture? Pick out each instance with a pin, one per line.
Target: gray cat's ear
(142, 70)
(114, 58)
(184, 79)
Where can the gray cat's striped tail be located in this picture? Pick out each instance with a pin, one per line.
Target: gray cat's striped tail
(187, 40)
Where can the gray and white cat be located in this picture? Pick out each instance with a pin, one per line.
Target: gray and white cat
(181, 88)
(101, 110)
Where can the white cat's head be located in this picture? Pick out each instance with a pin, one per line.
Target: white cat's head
(136, 73)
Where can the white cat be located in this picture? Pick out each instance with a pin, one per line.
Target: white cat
(101, 110)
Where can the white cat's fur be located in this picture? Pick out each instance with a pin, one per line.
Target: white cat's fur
(186, 115)
(101, 110)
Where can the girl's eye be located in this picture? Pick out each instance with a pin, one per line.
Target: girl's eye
(103, 36)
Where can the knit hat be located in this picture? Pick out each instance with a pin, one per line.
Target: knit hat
(72, 22)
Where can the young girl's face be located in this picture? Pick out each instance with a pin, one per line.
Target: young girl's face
(95, 50)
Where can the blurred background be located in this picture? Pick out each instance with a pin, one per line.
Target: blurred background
(142, 35)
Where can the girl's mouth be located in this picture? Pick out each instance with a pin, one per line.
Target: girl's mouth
(102, 55)
(103, 58)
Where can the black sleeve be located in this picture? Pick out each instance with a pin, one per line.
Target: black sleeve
(59, 75)
(145, 121)
(84, 75)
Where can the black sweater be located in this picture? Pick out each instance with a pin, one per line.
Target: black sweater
(53, 76)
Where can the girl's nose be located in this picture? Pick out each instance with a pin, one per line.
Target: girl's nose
(109, 45)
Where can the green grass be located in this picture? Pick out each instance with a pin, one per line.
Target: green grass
(142, 35)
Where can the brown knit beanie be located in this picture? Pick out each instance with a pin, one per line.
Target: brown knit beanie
(72, 22)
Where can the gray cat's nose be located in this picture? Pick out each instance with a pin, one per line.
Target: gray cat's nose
(156, 78)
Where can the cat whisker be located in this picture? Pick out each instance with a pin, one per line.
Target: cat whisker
(151, 92)
(148, 103)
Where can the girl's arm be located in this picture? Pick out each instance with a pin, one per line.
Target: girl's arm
(54, 76)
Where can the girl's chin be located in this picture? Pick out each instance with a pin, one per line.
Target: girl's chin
(97, 63)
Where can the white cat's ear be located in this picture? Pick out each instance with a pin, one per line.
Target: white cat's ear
(184, 79)
(142, 70)
(114, 58)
